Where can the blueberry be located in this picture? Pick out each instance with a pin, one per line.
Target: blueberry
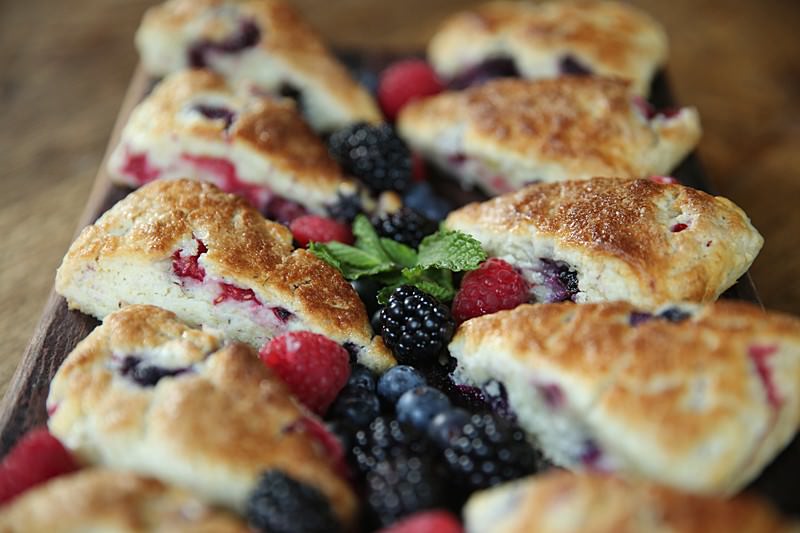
(447, 425)
(418, 406)
(375, 322)
(421, 198)
(356, 406)
(361, 377)
(396, 381)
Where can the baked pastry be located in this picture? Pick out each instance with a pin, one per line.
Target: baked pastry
(193, 124)
(214, 260)
(113, 502)
(561, 502)
(700, 398)
(509, 133)
(145, 392)
(545, 40)
(641, 241)
(260, 45)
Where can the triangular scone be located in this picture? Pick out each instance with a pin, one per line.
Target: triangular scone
(214, 260)
(193, 124)
(561, 502)
(545, 40)
(146, 393)
(260, 45)
(509, 133)
(700, 398)
(96, 499)
(641, 241)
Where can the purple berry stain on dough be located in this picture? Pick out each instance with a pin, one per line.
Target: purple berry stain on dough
(282, 314)
(552, 394)
(560, 278)
(570, 65)
(146, 375)
(247, 36)
(216, 113)
(497, 67)
(638, 317)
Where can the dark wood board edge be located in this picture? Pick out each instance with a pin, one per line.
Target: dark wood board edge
(59, 330)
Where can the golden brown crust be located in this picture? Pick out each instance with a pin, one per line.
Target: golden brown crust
(112, 501)
(290, 46)
(566, 503)
(609, 228)
(265, 128)
(658, 395)
(610, 38)
(215, 428)
(550, 130)
(243, 248)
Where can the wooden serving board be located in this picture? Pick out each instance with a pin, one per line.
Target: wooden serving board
(59, 329)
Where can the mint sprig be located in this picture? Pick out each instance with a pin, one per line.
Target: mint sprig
(393, 264)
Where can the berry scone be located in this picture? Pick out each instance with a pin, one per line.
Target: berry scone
(214, 260)
(561, 502)
(642, 241)
(534, 41)
(194, 125)
(261, 45)
(147, 393)
(699, 398)
(509, 133)
(115, 502)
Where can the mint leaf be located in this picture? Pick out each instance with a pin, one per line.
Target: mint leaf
(367, 239)
(352, 262)
(401, 254)
(451, 250)
(321, 251)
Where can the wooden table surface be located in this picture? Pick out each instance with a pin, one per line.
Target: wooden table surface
(65, 66)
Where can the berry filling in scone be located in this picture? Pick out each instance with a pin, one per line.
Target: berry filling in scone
(220, 171)
(506, 67)
(202, 53)
(245, 311)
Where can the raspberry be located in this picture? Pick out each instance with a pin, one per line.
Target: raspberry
(494, 286)
(37, 457)
(280, 504)
(426, 522)
(405, 81)
(374, 154)
(314, 228)
(314, 367)
(415, 325)
(404, 225)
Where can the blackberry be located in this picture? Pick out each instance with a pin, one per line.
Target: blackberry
(488, 450)
(403, 485)
(385, 438)
(280, 504)
(415, 326)
(346, 208)
(374, 154)
(404, 225)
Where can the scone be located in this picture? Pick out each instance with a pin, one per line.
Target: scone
(604, 239)
(509, 133)
(145, 392)
(214, 260)
(700, 398)
(534, 41)
(560, 502)
(110, 501)
(260, 45)
(194, 125)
